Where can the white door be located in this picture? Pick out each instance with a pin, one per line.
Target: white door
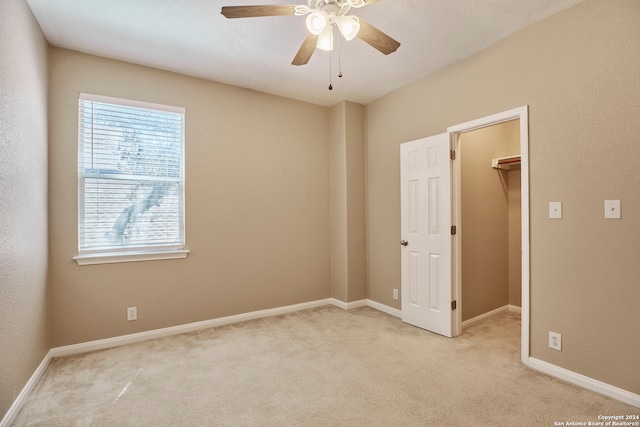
(426, 234)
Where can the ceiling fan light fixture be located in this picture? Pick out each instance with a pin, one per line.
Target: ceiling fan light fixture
(348, 26)
(322, 17)
(357, 3)
(317, 22)
(325, 39)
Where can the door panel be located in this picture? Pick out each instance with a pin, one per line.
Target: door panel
(426, 224)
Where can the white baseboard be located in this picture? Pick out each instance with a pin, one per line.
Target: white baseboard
(385, 308)
(13, 411)
(585, 382)
(69, 350)
(348, 305)
(190, 327)
(511, 308)
(366, 303)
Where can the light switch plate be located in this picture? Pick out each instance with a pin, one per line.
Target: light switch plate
(555, 210)
(612, 209)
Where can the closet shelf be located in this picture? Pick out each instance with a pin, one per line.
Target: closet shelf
(506, 163)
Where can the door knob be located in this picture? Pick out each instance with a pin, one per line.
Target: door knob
(404, 243)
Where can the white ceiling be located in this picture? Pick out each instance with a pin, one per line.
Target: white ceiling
(193, 38)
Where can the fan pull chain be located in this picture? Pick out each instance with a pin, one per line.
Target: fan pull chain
(339, 59)
(330, 72)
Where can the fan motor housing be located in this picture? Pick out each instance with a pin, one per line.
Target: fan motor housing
(337, 7)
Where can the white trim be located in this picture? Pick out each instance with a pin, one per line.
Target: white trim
(114, 257)
(585, 382)
(340, 304)
(510, 308)
(358, 304)
(130, 103)
(348, 305)
(69, 350)
(205, 324)
(87, 256)
(15, 408)
(484, 316)
(521, 113)
(385, 308)
(491, 120)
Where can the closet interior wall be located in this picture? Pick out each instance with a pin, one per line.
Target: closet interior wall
(490, 220)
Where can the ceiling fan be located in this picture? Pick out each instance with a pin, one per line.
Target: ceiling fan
(322, 17)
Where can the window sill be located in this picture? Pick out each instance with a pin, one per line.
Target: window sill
(113, 257)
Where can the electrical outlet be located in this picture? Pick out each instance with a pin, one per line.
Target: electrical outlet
(132, 313)
(395, 293)
(555, 341)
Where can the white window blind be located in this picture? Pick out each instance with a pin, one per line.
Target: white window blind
(130, 175)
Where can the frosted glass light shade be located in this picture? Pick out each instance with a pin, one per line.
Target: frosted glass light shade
(325, 40)
(348, 26)
(317, 22)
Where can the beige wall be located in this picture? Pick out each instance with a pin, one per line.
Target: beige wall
(578, 72)
(257, 205)
(339, 257)
(24, 325)
(356, 222)
(348, 231)
(484, 227)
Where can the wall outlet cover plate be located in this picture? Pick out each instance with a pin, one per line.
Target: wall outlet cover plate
(555, 210)
(555, 341)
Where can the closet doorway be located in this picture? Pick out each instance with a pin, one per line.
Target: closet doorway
(490, 221)
(491, 202)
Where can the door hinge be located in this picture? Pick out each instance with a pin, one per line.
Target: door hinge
(452, 154)
(453, 230)
(454, 305)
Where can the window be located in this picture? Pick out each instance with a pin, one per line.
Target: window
(130, 181)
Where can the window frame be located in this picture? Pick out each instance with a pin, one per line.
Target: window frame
(149, 253)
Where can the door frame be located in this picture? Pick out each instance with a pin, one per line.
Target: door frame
(521, 113)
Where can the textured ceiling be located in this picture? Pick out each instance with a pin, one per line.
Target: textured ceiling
(193, 38)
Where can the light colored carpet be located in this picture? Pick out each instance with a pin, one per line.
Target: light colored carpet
(319, 367)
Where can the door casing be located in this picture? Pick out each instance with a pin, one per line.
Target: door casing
(455, 132)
